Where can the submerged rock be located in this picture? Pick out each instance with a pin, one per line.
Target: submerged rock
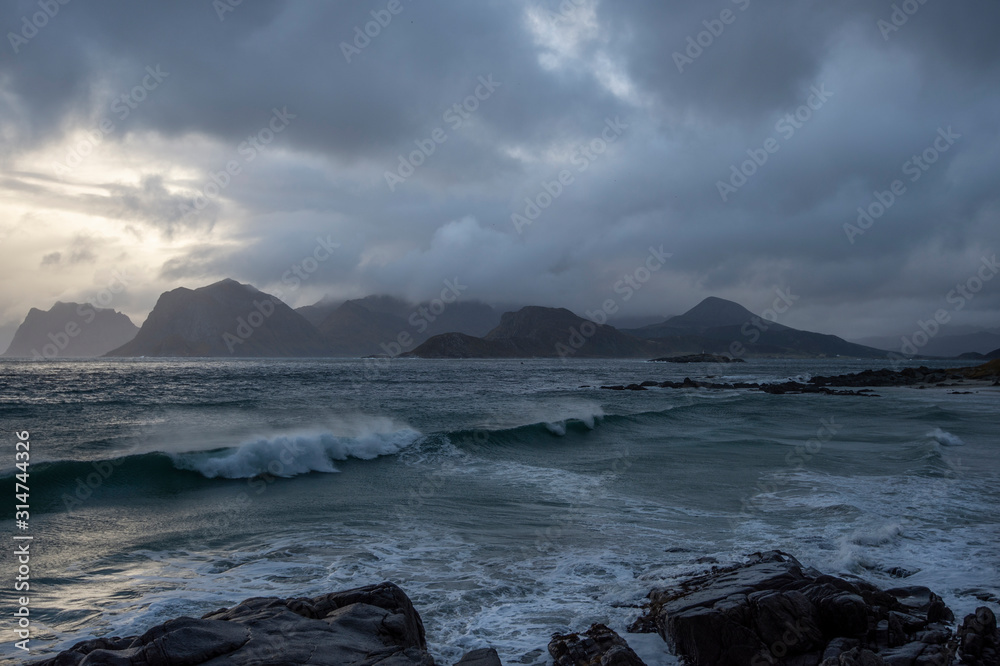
(369, 625)
(598, 646)
(773, 610)
(483, 657)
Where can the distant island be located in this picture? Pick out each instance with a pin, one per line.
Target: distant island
(698, 358)
(228, 319)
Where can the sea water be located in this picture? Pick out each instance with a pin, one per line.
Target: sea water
(509, 499)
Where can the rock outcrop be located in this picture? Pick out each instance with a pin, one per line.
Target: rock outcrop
(599, 646)
(773, 610)
(360, 627)
(921, 377)
(697, 358)
(979, 639)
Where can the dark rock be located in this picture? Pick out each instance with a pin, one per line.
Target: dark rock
(900, 572)
(855, 657)
(916, 654)
(697, 358)
(979, 640)
(598, 646)
(481, 657)
(772, 610)
(364, 626)
(838, 646)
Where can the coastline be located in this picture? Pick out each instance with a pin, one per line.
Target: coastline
(766, 609)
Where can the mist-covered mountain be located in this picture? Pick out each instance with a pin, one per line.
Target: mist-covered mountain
(947, 343)
(354, 330)
(317, 312)
(223, 319)
(537, 332)
(70, 330)
(388, 325)
(719, 326)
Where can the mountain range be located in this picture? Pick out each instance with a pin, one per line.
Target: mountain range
(713, 326)
(229, 319)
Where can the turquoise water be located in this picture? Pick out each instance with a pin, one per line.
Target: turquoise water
(506, 498)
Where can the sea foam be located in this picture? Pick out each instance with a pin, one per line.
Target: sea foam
(293, 454)
(945, 438)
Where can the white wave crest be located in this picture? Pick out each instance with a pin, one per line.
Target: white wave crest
(589, 415)
(293, 454)
(945, 438)
(876, 536)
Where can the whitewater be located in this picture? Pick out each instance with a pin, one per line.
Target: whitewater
(509, 499)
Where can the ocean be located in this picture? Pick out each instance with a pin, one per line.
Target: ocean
(509, 499)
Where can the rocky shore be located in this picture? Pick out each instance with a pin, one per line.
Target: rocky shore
(768, 609)
(866, 381)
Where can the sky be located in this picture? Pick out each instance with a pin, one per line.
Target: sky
(842, 156)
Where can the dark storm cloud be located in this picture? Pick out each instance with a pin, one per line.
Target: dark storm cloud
(890, 93)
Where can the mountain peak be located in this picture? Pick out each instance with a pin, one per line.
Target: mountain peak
(223, 319)
(70, 330)
(713, 311)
